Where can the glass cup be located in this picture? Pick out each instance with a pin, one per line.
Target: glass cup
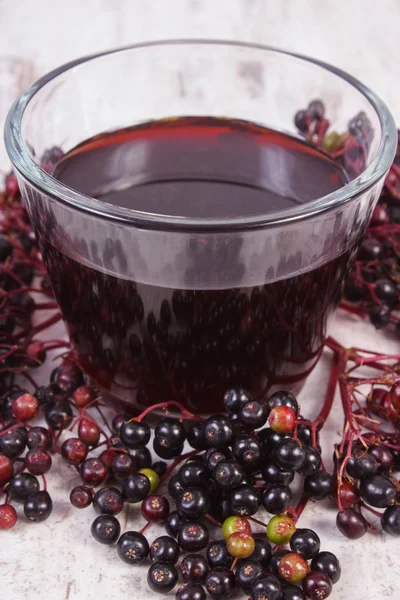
(162, 307)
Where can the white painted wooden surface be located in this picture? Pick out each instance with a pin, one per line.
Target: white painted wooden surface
(58, 559)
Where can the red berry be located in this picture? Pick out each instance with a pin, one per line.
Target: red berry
(282, 419)
(317, 586)
(8, 516)
(74, 451)
(93, 471)
(36, 352)
(348, 495)
(89, 432)
(6, 469)
(25, 408)
(155, 508)
(107, 457)
(83, 395)
(293, 567)
(38, 461)
(81, 496)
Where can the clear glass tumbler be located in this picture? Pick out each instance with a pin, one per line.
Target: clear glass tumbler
(160, 306)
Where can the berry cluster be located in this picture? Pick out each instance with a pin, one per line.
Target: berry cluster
(372, 289)
(238, 466)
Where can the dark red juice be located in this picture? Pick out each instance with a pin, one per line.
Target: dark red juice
(148, 343)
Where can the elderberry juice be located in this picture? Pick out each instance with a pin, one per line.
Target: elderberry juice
(146, 341)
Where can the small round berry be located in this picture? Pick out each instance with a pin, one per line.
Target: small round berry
(81, 496)
(132, 548)
(218, 431)
(38, 506)
(277, 498)
(221, 583)
(160, 467)
(39, 437)
(165, 452)
(108, 501)
(134, 434)
(293, 568)
(262, 551)
(282, 419)
(348, 494)
(289, 454)
(8, 516)
(390, 520)
(83, 395)
(6, 469)
(193, 502)
(194, 568)
(273, 474)
(245, 500)
(190, 591)
(21, 486)
(170, 433)
(361, 464)
(25, 407)
(383, 456)
(234, 398)
(155, 508)
(153, 478)
(235, 524)
(38, 461)
(193, 473)
(165, 548)
(253, 414)
(13, 443)
(162, 577)
(58, 415)
(312, 462)
(292, 592)
(195, 434)
(88, 432)
(240, 545)
(218, 555)
(305, 542)
(248, 450)
(228, 474)
(302, 121)
(276, 558)
(247, 572)
(106, 529)
(317, 586)
(74, 451)
(379, 315)
(174, 522)
(122, 466)
(193, 536)
(326, 562)
(377, 490)
(316, 109)
(280, 529)
(266, 588)
(93, 471)
(351, 523)
(319, 485)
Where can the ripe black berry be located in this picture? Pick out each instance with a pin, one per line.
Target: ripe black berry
(38, 506)
(283, 399)
(193, 502)
(351, 523)
(106, 529)
(194, 568)
(361, 464)
(218, 555)
(377, 490)
(136, 488)
(134, 434)
(234, 398)
(108, 501)
(312, 462)
(213, 457)
(218, 431)
(305, 542)
(190, 591)
(253, 414)
(220, 583)
(289, 454)
(247, 449)
(193, 536)
(292, 592)
(13, 443)
(21, 486)
(319, 485)
(193, 473)
(58, 415)
(165, 548)
(267, 587)
(317, 586)
(273, 474)
(247, 572)
(162, 577)
(277, 498)
(132, 548)
(327, 563)
(170, 433)
(228, 474)
(390, 520)
(245, 500)
(262, 551)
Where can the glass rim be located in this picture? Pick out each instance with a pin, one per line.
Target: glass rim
(23, 162)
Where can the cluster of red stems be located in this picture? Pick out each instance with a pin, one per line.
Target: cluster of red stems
(368, 381)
